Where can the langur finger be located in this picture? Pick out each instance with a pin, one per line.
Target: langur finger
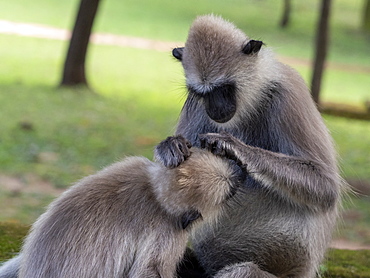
(206, 141)
(183, 147)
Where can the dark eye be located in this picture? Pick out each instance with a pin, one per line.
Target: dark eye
(252, 47)
(177, 53)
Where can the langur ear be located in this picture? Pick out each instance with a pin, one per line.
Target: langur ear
(188, 217)
(177, 53)
(252, 47)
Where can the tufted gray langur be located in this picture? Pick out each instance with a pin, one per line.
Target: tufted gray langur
(245, 105)
(132, 219)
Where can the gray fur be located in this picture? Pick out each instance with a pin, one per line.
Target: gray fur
(243, 270)
(10, 268)
(130, 219)
(284, 217)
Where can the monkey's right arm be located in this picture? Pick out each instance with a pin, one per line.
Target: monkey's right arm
(299, 180)
(172, 151)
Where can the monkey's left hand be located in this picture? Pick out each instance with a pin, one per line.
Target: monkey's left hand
(223, 144)
(172, 151)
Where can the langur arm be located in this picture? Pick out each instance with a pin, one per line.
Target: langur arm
(301, 181)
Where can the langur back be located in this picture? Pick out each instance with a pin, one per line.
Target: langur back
(131, 219)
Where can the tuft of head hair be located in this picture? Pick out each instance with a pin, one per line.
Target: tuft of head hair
(221, 60)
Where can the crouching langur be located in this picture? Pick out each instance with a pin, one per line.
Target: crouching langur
(131, 219)
(245, 105)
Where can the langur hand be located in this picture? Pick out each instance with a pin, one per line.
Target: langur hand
(172, 151)
(223, 144)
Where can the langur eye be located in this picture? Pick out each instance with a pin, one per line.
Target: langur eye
(252, 47)
(177, 53)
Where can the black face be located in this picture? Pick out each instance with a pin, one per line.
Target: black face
(220, 102)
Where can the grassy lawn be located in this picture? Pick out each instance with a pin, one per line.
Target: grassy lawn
(170, 20)
(61, 135)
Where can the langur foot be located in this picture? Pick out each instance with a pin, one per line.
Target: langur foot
(243, 270)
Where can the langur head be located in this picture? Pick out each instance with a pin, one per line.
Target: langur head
(204, 182)
(198, 188)
(219, 61)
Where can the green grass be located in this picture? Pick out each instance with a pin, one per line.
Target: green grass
(340, 86)
(352, 138)
(132, 109)
(49, 12)
(347, 264)
(170, 20)
(126, 116)
(356, 218)
(22, 207)
(346, 87)
(11, 237)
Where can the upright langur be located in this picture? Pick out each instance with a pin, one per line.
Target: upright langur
(245, 105)
(130, 219)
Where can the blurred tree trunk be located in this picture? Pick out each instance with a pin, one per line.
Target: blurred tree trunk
(74, 66)
(366, 18)
(322, 39)
(285, 19)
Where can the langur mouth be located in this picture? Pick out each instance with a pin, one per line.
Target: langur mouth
(220, 103)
